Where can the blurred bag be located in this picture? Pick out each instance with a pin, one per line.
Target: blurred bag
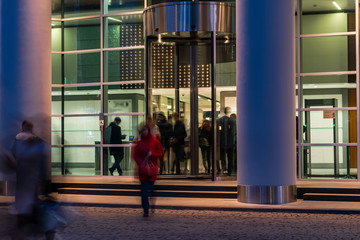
(51, 215)
(147, 167)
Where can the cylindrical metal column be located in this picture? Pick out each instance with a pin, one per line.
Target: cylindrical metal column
(266, 101)
(25, 70)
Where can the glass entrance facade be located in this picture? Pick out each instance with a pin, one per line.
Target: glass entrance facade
(98, 75)
(99, 71)
(327, 89)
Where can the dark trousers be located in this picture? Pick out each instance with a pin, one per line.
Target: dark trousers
(226, 151)
(179, 157)
(205, 152)
(146, 193)
(118, 158)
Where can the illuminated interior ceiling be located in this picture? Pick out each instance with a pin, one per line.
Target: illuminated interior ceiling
(319, 6)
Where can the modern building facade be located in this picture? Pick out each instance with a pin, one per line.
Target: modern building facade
(287, 72)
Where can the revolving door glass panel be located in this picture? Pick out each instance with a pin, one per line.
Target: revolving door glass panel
(180, 102)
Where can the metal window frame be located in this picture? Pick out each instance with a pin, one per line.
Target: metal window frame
(101, 84)
(299, 75)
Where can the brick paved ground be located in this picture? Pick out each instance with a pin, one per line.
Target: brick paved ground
(120, 223)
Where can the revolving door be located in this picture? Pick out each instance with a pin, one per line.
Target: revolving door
(182, 77)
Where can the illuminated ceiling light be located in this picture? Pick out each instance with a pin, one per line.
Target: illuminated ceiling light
(336, 5)
(114, 19)
(159, 38)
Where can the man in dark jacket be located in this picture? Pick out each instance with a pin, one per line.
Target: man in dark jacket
(227, 129)
(117, 152)
(165, 129)
(178, 141)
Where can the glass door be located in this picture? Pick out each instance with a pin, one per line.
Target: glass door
(322, 127)
(180, 97)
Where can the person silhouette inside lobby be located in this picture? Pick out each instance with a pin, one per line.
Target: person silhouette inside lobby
(117, 152)
(227, 140)
(165, 129)
(178, 142)
(205, 144)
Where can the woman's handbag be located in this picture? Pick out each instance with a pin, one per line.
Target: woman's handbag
(148, 167)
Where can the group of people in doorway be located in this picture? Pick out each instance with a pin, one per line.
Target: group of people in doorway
(174, 136)
(156, 139)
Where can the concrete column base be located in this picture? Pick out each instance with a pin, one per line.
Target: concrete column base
(266, 194)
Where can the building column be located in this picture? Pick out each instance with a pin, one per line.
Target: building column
(265, 32)
(25, 69)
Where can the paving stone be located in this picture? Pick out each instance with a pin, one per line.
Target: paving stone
(122, 223)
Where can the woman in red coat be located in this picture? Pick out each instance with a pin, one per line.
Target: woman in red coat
(146, 154)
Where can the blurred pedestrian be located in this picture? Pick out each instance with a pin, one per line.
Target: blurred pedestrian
(146, 154)
(118, 152)
(32, 156)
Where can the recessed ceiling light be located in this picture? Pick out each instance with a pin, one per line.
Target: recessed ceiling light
(114, 19)
(336, 5)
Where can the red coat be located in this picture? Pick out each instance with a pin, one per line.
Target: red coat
(147, 170)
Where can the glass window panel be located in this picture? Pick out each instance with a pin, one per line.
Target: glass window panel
(82, 68)
(341, 88)
(56, 36)
(225, 62)
(82, 130)
(329, 126)
(329, 162)
(205, 128)
(328, 54)
(123, 31)
(56, 161)
(129, 127)
(226, 129)
(56, 101)
(124, 65)
(120, 6)
(56, 68)
(127, 165)
(82, 100)
(56, 9)
(55, 131)
(82, 160)
(82, 34)
(76, 8)
(124, 98)
(325, 17)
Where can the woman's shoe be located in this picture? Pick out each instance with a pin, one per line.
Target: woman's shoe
(111, 171)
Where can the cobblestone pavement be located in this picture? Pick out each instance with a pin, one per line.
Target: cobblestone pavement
(123, 223)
